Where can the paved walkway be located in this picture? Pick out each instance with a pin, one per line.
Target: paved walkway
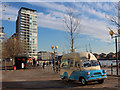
(38, 78)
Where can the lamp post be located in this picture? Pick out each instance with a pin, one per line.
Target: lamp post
(116, 35)
(54, 48)
(72, 50)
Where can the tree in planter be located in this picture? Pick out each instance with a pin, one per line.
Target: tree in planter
(72, 24)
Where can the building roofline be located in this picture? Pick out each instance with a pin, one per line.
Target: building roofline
(42, 52)
(26, 9)
(1, 27)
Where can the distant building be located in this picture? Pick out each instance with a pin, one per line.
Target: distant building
(111, 55)
(102, 56)
(43, 55)
(26, 27)
(2, 36)
(50, 55)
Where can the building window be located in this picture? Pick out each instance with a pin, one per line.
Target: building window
(23, 10)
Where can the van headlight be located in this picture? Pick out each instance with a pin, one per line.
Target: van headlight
(88, 73)
(104, 71)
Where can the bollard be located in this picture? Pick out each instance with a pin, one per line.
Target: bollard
(111, 69)
(22, 65)
(119, 65)
(14, 67)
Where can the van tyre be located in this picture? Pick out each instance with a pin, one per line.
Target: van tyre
(101, 81)
(62, 78)
(66, 79)
(83, 81)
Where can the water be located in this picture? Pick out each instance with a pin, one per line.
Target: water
(108, 62)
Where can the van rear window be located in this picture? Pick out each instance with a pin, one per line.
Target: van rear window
(67, 63)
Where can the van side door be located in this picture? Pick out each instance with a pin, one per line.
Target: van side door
(77, 69)
(67, 67)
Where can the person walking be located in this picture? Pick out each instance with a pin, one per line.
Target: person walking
(37, 63)
(34, 62)
(119, 65)
(43, 64)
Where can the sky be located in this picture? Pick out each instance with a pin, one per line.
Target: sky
(94, 20)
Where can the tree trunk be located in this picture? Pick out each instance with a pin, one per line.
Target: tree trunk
(13, 61)
(72, 44)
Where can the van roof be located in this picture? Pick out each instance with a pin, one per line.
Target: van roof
(80, 55)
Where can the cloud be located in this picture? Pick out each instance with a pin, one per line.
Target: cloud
(96, 29)
(49, 21)
(93, 10)
(50, 5)
(92, 27)
(107, 6)
(54, 6)
(60, 1)
(10, 12)
(89, 26)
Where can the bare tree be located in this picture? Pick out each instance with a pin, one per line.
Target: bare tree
(72, 24)
(115, 18)
(12, 47)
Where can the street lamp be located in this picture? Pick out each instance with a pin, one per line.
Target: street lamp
(72, 50)
(111, 32)
(56, 47)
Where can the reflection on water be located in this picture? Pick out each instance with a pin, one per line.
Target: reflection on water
(108, 62)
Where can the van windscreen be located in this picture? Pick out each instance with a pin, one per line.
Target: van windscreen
(89, 63)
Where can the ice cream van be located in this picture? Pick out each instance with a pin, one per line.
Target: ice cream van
(81, 66)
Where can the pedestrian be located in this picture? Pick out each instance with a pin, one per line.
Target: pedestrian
(57, 63)
(37, 63)
(47, 63)
(119, 65)
(59, 66)
(43, 64)
(34, 62)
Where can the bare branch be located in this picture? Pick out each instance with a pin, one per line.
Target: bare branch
(12, 47)
(73, 26)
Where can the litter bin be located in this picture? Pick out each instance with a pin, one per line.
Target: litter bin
(14, 67)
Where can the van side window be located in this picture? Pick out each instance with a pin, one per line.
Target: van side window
(71, 63)
(67, 63)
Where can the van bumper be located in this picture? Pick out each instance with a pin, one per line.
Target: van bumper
(96, 78)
